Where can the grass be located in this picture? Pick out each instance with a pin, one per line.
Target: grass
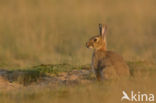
(26, 76)
(108, 91)
(50, 32)
(54, 33)
(33, 74)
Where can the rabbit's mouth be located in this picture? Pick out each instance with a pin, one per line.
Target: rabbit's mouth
(89, 46)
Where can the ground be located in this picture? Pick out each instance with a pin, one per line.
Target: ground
(67, 84)
(60, 74)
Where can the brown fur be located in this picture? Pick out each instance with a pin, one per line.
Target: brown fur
(106, 64)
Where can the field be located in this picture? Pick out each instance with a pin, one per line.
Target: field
(42, 44)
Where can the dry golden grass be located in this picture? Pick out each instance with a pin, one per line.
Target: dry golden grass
(108, 92)
(51, 31)
(36, 32)
(142, 80)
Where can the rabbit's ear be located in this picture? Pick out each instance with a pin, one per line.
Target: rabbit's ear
(102, 29)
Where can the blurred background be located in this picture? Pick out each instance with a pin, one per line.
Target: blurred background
(55, 31)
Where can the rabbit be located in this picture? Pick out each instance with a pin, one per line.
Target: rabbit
(106, 64)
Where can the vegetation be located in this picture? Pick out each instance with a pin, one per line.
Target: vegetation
(27, 76)
(55, 32)
(43, 58)
(109, 91)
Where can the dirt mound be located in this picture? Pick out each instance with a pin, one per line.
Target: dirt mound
(63, 74)
(5, 84)
(69, 78)
(16, 79)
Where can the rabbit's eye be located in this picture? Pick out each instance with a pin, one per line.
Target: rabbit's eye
(95, 40)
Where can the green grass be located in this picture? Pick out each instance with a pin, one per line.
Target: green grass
(29, 75)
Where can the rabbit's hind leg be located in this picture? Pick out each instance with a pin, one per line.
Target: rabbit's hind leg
(109, 73)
